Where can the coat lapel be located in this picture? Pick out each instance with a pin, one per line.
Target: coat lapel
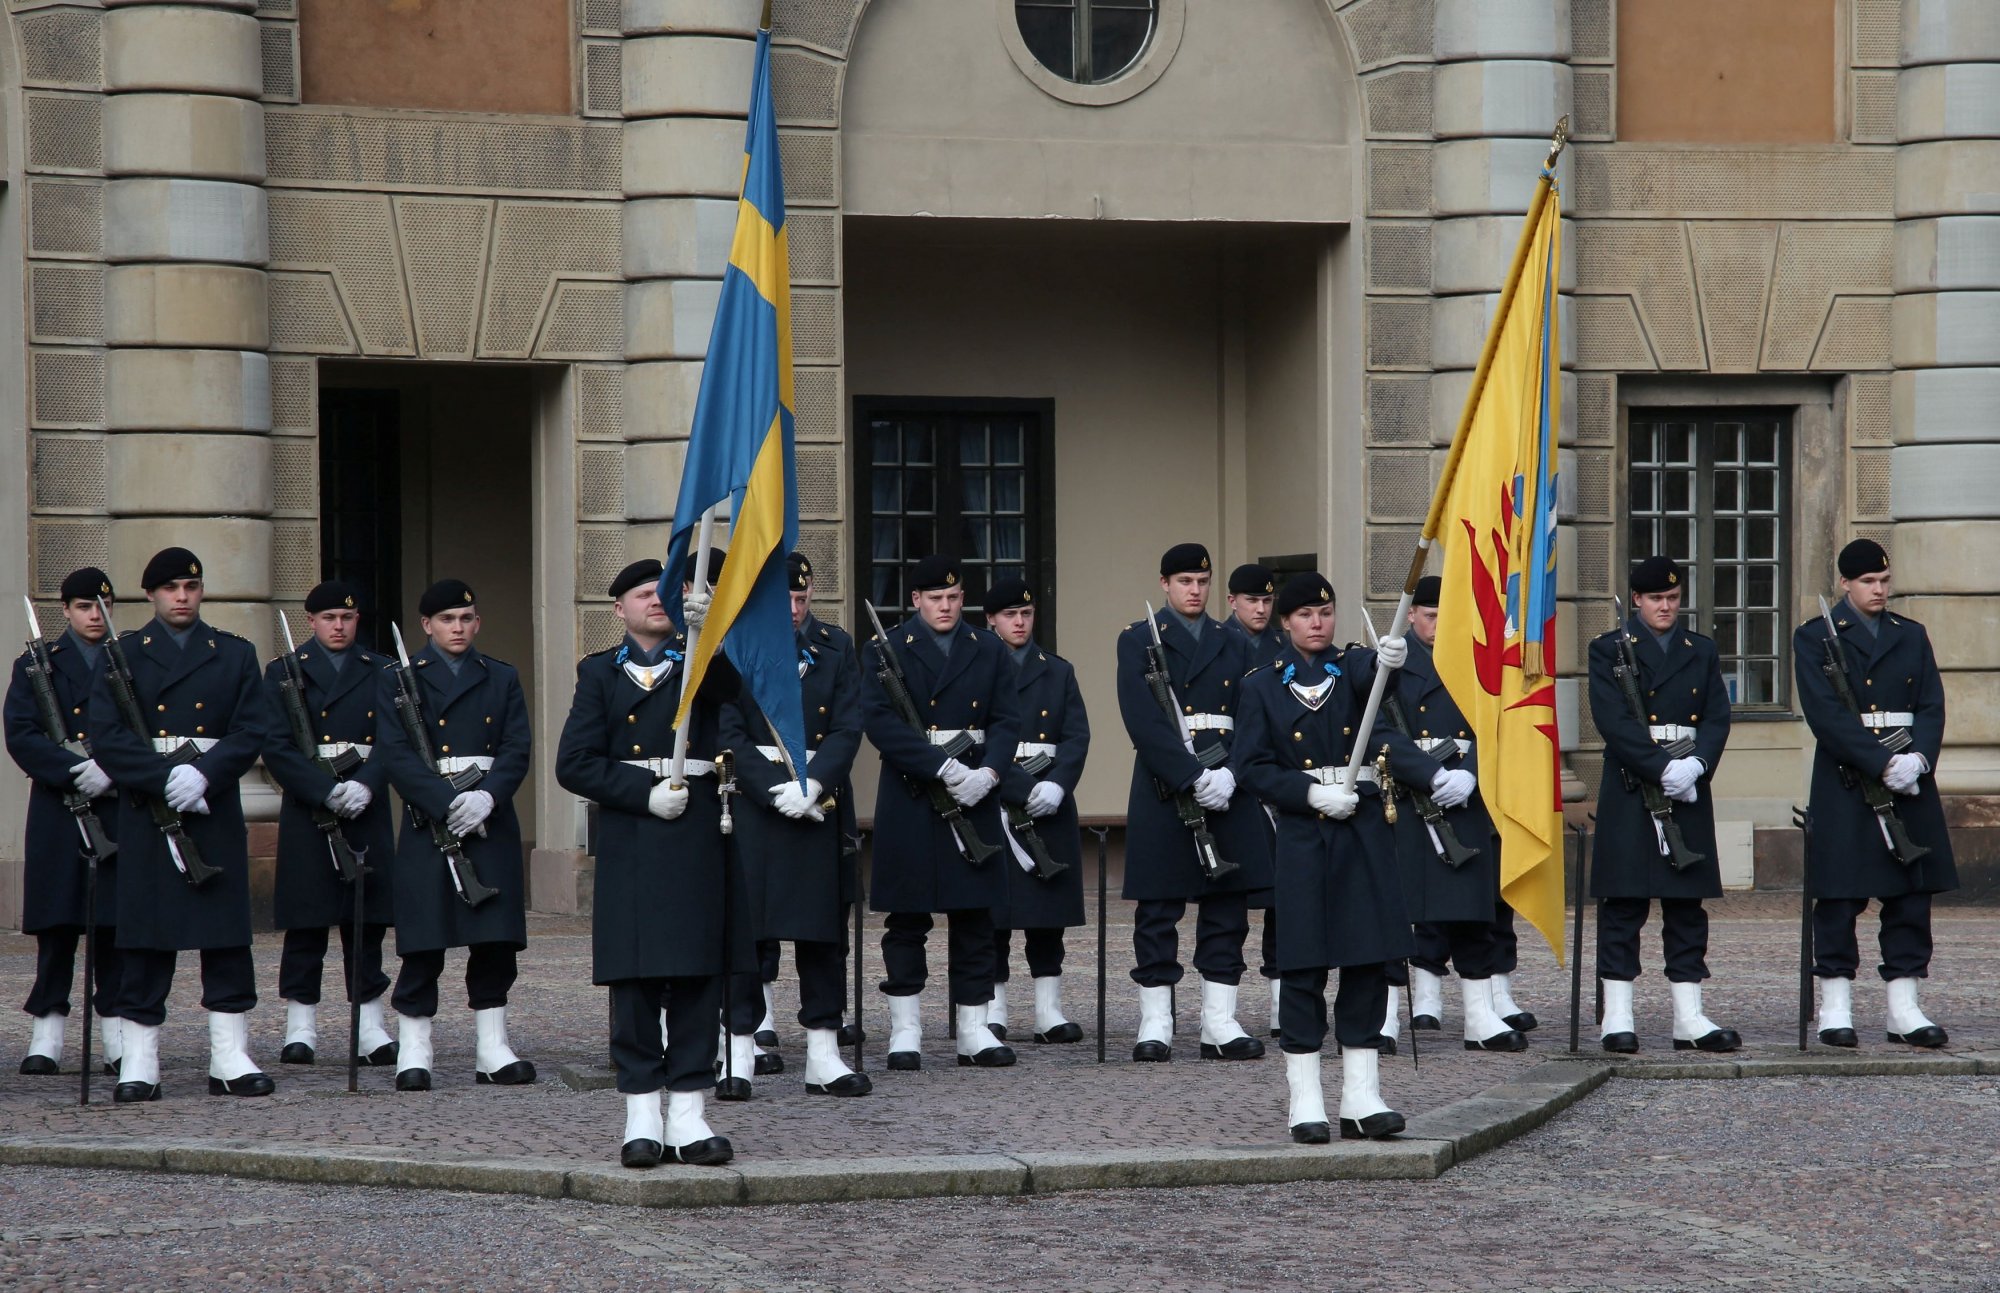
(69, 663)
(200, 650)
(1889, 630)
(964, 646)
(1033, 666)
(1206, 648)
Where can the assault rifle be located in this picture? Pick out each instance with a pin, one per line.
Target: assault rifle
(890, 675)
(293, 687)
(41, 677)
(1672, 847)
(464, 875)
(1879, 798)
(1161, 683)
(1452, 851)
(172, 825)
(1023, 826)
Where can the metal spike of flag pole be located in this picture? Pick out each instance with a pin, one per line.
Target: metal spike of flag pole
(1434, 521)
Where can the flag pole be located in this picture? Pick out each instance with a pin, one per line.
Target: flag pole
(677, 770)
(1435, 517)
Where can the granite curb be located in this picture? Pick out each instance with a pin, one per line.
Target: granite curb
(1433, 1143)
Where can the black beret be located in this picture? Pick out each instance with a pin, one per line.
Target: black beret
(1252, 579)
(934, 571)
(1427, 592)
(169, 564)
(639, 572)
(444, 595)
(85, 584)
(714, 567)
(1183, 558)
(799, 572)
(1308, 589)
(332, 595)
(1862, 557)
(1656, 575)
(1008, 594)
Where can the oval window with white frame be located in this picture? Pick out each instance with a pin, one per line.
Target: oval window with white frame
(1092, 52)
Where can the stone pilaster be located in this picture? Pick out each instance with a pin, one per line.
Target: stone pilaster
(1945, 467)
(187, 382)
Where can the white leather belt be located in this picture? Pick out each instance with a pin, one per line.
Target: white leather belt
(1670, 732)
(776, 755)
(1029, 749)
(168, 744)
(663, 767)
(1888, 718)
(1208, 722)
(335, 749)
(946, 735)
(462, 763)
(1436, 745)
(1332, 776)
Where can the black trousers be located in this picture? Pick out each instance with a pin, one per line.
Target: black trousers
(1359, 1005)
(228, 983)
(1469, 945)
(1683, 938)
(1220, 931)
(301, 963)
(682, 1061)
(1434, 945)
(1905, 937)
(55, 971)
(1044, 949)
(489, 973)
(822, 972)
(1269, 950)
(969, 954)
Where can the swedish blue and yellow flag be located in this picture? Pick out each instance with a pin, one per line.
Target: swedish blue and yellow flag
(740, 446)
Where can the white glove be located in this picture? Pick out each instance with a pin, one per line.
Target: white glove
(1334, 801)
(788, 799)
(953, 772)
(90, 778)
(1392, 652)
(1902, 773)
(694, 610)
(185, 788)
(1452, 787)
(469, 812)
(975, 786)
(667, 801)
(1044, 799)
(1213, 789)
(1680, 778)
(350, 799)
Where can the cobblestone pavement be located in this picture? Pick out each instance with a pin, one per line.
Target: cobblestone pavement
(1793, 1185)
(1057, 1097)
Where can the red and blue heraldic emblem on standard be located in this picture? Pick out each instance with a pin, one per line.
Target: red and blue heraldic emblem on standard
(740, 448)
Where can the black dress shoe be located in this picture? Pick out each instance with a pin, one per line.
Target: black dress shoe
(1524, 1022)
(850, 1035)
(1064, 1032)
(1622, 1043)
(993, 1057)
(1930, 1037)
(1720, 1042)
(733, 1089)
(1374, 1127)
(768, 1063)
(382, 1057)
(296, 1053)
(1237, 1048)
(766, 1038)
(135, 1092)
(1312, 1133)
(1507, 1041)
(846, 1084)
(413, 1080)
(1425, 1023)
(248, 1084)
(39, 1066)
(906, 1061)
(1385, 1045)
(519, 1073)
(713, 1152)
(1152, 1053)
(1841, 1037)
(640, 1154)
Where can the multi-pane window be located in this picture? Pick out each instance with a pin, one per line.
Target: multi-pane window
(1710, 492)
(1087, 41)
(968, 481)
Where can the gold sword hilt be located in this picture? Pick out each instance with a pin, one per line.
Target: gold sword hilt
(1386, 786)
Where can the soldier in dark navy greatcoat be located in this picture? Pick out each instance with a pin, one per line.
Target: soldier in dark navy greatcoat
(197, 689)
(1253, 588)
(1895, 737)
(340, 696)
(52, 889)
(1680, 686)
(1054, 727)
(1205, 663)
